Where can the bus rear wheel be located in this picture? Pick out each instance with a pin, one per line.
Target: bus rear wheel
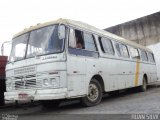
(143, 87)
(94, 96)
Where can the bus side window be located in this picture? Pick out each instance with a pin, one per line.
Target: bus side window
(76, 39)
(151, 57)
(89, 42)
(144, 55)
(134, 52)
(122, 50)
(106, 45)
(79, 39)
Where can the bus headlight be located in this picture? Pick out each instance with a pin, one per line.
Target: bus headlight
(45, 82)
(51, 82)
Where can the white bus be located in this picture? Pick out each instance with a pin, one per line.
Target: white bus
(66, 59)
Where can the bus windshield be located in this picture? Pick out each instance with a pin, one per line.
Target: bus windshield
(38, 42)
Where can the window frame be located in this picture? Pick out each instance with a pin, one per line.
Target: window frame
(102, 46)
(120, 46)
(130, 47)
(82, 52)
(152, 57)
(94, 40)
(74, 42)
(142, 57)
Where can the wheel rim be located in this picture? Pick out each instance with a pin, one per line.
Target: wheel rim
(93, 92)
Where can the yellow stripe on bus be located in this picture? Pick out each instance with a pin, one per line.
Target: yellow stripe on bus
(137, 72)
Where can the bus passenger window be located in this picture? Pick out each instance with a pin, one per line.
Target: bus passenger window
(144, 55)
(79, 39)
(89, 42)
(151, 57)
(78, 44)
(106, 45)
(122, 50)
(134, 52)
(76, 39)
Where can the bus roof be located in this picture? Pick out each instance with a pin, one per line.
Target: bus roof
(84, 26)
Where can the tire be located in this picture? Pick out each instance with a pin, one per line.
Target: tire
(94, 96)
(143, 87)
(50, 104)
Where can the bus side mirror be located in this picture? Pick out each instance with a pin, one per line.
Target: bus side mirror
(61, 32)
(8, 47)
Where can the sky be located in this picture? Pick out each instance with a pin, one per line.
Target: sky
(15, 15)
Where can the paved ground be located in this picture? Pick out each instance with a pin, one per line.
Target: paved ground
(130, 102)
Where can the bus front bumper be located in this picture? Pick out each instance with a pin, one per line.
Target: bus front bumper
(45, 94)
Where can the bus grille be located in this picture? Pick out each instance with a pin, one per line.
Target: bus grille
(25, 84)
(29, 82)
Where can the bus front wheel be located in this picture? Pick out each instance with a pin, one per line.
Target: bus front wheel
(94, 94)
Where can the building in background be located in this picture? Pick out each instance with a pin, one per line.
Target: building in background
(145, 31)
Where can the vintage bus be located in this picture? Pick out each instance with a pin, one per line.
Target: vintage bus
(66, 59)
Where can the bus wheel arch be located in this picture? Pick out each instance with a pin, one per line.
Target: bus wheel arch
(100, 80)
(146, 77)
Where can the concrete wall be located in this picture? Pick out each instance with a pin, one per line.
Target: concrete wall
(145, 30)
